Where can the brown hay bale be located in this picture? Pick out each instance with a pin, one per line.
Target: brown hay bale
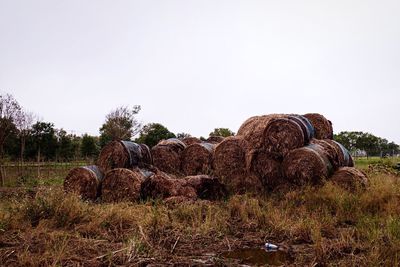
(191, 140)
(282, 135)
(166, 159)
(123, 154)
(231, 159)
(215, 139)
(252, 129)
(267, 169)
(207, 187)
(167, 155)
(307, 165)
(306, 126)
(113, 155)
(338, 155)
(197, 159)
(332, 151)
(161, 185)
(276, 133)
(84, 181)
(345, 158)
(350, 178)
(122, 185)
(323, 127)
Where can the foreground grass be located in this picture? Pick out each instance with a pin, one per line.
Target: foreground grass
(323, 226)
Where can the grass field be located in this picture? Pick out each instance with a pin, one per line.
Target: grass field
(41, 226)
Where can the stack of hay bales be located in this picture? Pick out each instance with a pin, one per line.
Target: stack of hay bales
(125, 172)
(268, 152)
(281, 150)
(117, 176)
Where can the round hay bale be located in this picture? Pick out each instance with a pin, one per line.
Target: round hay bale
(122, 185)
(197, 159)
(84, 181)
(332, 151)
(161, 185)
(113, 155)
(344, 155)
(276, 133)
(307, 165)
(267, 169)
(166, 159)
(306, 126)
(323, 127)
(252, 130)
(231, 158)
(207, 187)
(282, 135)
(338, 155)
(123, 154)
(191, 140)
(215, 139)
(167, 155)
(350, 178)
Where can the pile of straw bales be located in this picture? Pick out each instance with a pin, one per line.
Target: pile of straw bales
(269, 152)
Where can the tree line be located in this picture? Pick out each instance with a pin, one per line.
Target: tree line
(367, 144)
(24, 138)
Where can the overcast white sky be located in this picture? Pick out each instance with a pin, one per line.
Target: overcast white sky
(197, 65)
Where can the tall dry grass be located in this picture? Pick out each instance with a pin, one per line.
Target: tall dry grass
(325, 225)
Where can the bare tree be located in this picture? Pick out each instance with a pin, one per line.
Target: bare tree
(9, 112)
(121, 124)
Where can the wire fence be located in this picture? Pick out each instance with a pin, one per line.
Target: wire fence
(34, 173)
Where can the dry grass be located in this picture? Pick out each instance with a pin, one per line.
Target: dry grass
(324, 226)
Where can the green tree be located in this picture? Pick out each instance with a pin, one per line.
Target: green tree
(66, 146)
(224, 132)
(152, 133)
(371, 144)
(9, 113)
(120, 124)
(89, 146)
(44, 140)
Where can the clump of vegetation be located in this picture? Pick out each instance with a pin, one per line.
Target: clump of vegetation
(325, 225)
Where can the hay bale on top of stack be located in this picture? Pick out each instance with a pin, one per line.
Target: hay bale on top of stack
(167, 155)
(197, 159)
(124, 154)
(276, 134)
